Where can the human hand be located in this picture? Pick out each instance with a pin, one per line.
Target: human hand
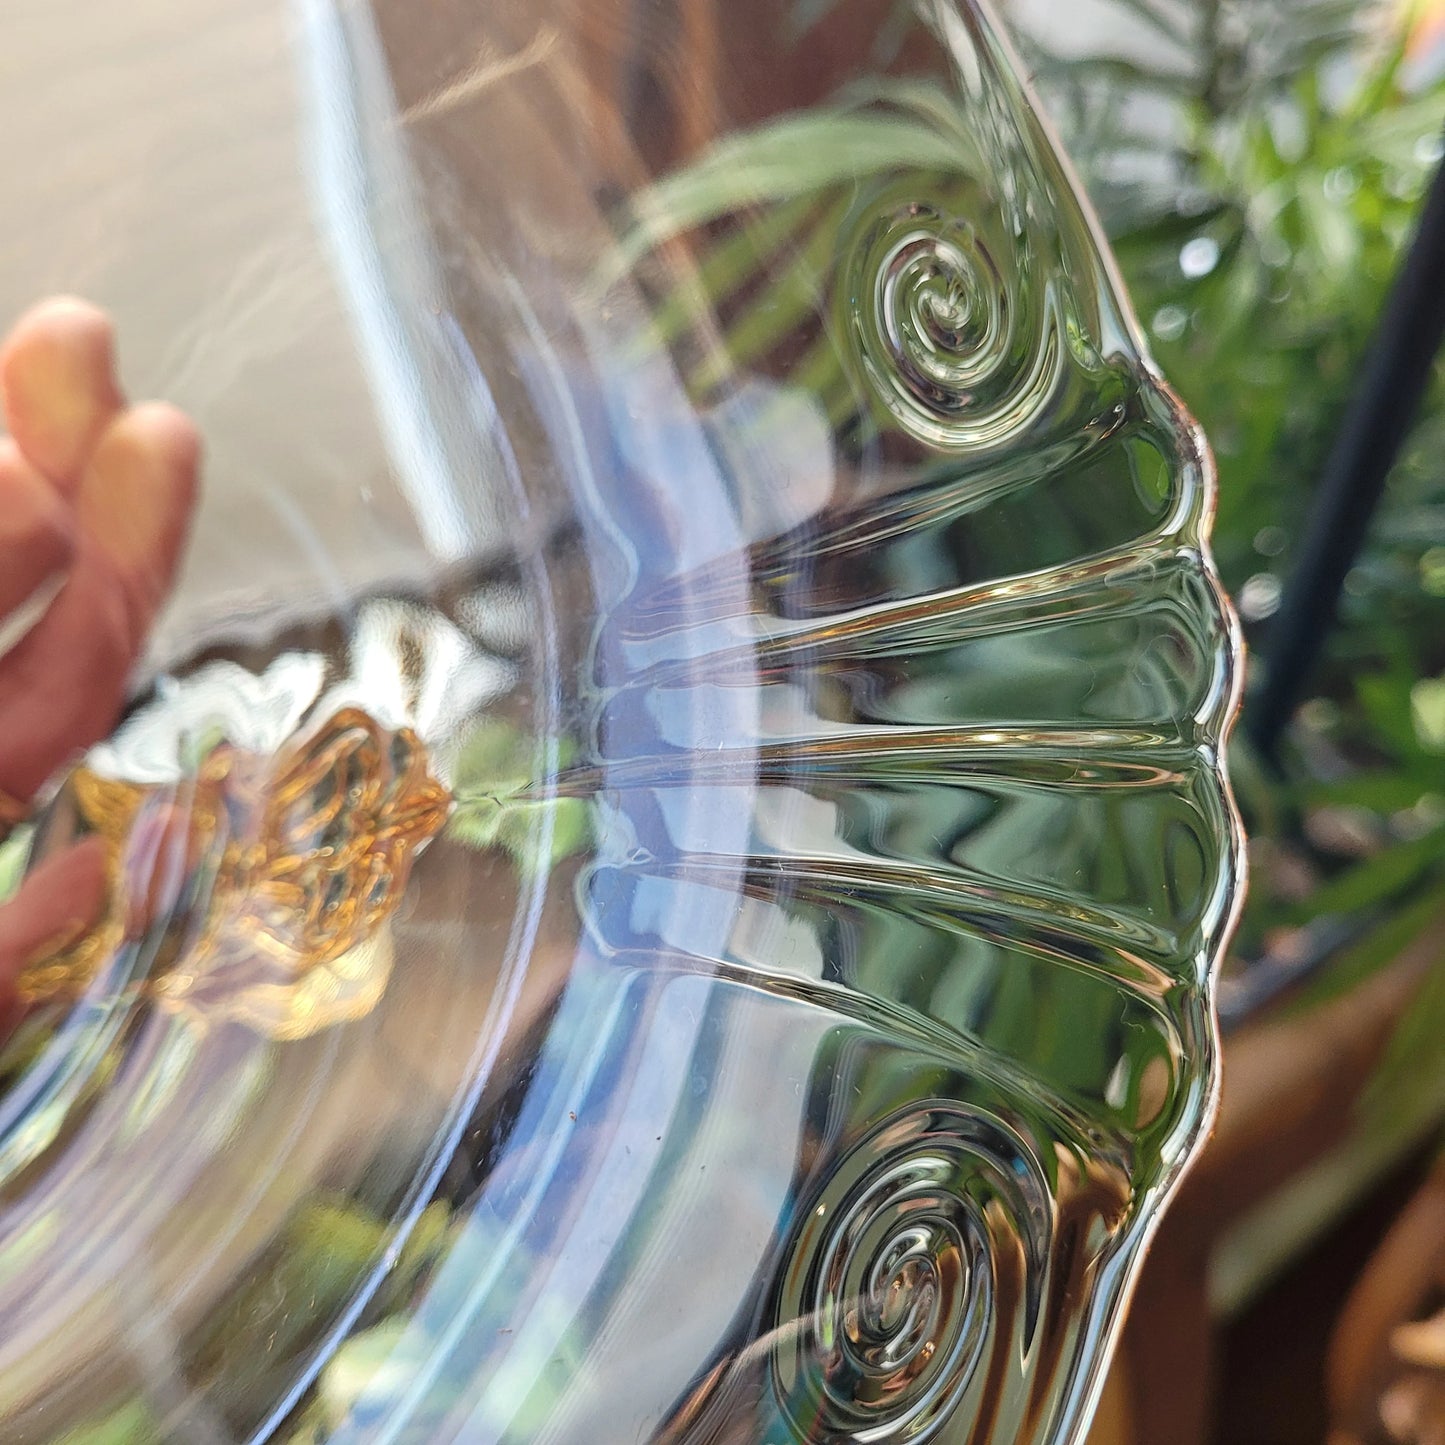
(95, 503)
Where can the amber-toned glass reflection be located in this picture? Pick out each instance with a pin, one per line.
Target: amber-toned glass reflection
(260, 872)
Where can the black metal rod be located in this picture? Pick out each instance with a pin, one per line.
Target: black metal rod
(1392, 384)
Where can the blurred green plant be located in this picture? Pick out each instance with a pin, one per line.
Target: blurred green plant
(248, 1352)
(782, 192)
(1259, 181)
(1258, 168)
(1271, 196)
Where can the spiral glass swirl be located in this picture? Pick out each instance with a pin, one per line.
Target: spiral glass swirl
(895, 1274)
(957, 348)
(664, 860)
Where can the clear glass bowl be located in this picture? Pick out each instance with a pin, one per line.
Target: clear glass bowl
(666, 857)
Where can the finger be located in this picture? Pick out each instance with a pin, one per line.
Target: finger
(55, 905)
(62, 686)
(37, 538)
(58, 386)
(136, 498)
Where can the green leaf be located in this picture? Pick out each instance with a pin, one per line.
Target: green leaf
(1388, 704)
(798, 155)
(500, 802)
(497, 758)
(1157, 18)
(729, 265)
(1427, 708)
(307, 1277)
(1380, 79)
(791, 296)
(1379, 948)
(516, 824)
(373, 1362)
(1411, 1071)
(1384, 791)
(1133, 75)
(1380, 879)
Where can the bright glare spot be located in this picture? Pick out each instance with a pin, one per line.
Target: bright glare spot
(1319, 714)
(1430, 810)
(1427, 814)
(1403, 185)
(1427, 705)
(1432, 571)
(1429, 149)
(1170, 322)
(1260, 596)
(1340, 184)
(1199, 257)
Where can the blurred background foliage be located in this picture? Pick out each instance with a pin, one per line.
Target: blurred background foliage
(1258, 166)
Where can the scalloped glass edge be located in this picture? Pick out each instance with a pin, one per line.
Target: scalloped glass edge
(1112, 1303)
(349, 224)
(1113, 1287)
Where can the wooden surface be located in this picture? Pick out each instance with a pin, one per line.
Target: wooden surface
(1292, 1084)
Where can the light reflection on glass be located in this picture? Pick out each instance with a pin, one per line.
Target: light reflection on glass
(683, 894)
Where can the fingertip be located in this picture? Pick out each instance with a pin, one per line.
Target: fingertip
(140, 487)
(172, 438)
(63, 684)
(57, 383)
(64, 329)
(135, 506)
(62, 309)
